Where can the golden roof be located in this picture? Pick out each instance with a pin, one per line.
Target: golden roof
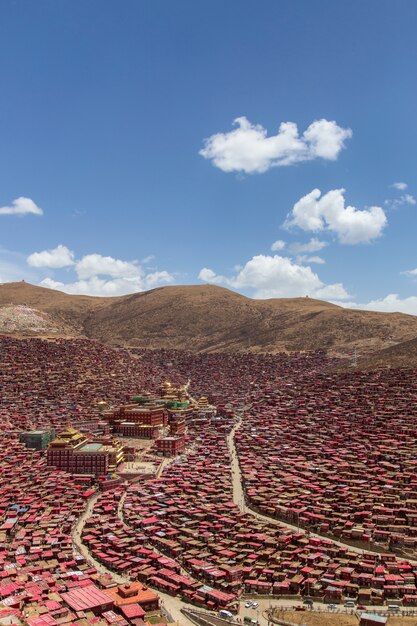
(68, 435)
(70, 430)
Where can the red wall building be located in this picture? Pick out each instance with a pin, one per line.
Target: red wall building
(73, 452)
(130, 429)
(144, 422)
(170, 446)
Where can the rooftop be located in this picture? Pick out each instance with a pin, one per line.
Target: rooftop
(91, 447)
(83, 598)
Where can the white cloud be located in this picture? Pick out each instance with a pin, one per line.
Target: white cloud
(277, 277)
(303, 258)
(314, 245)
(50, 283)
(411, 273)
(155, 279)
(98, 275)
(336, 291)
(96, 286)
(316, 213)
(400, 186)
(278, 245)
(325, 139)
(248, 149)
(391, 303)
(408, 199)
(96, 264)
(208, 276)
(58, 257)
(405, 198)
(21, 206)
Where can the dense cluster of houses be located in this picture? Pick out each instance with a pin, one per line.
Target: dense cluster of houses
(188, 516)
(63, 382)
(42, 580)
(137, 539)
(337, 455)
(331, 452)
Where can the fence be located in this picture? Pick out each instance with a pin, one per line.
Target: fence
(405, 612)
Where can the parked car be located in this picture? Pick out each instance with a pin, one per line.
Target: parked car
(255, 605)
(248, 604)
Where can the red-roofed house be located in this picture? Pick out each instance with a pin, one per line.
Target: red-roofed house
(86, 598)
(132, 610)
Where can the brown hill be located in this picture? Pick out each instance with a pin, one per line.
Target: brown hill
(208, 318)
(63, 314)
(403, 354)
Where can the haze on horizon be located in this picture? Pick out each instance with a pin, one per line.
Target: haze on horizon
(267, 148)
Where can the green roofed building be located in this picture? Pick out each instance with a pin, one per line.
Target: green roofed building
(37, 439)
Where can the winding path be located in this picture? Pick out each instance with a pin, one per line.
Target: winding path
(240, 501)
(171, 604)
(76, 535)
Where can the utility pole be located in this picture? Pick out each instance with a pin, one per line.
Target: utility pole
(354, 358)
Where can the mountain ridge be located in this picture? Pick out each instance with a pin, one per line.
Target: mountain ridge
(204, 318)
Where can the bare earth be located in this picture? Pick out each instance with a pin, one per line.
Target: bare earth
(205, 318)
(317, 619)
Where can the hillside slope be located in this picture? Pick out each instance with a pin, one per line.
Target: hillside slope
(403, 354)
(63, 314)
(209, 318)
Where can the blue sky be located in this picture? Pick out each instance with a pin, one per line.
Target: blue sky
(122, 168)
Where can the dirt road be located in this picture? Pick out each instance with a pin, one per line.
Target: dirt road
(239, 499)
(170, 604)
